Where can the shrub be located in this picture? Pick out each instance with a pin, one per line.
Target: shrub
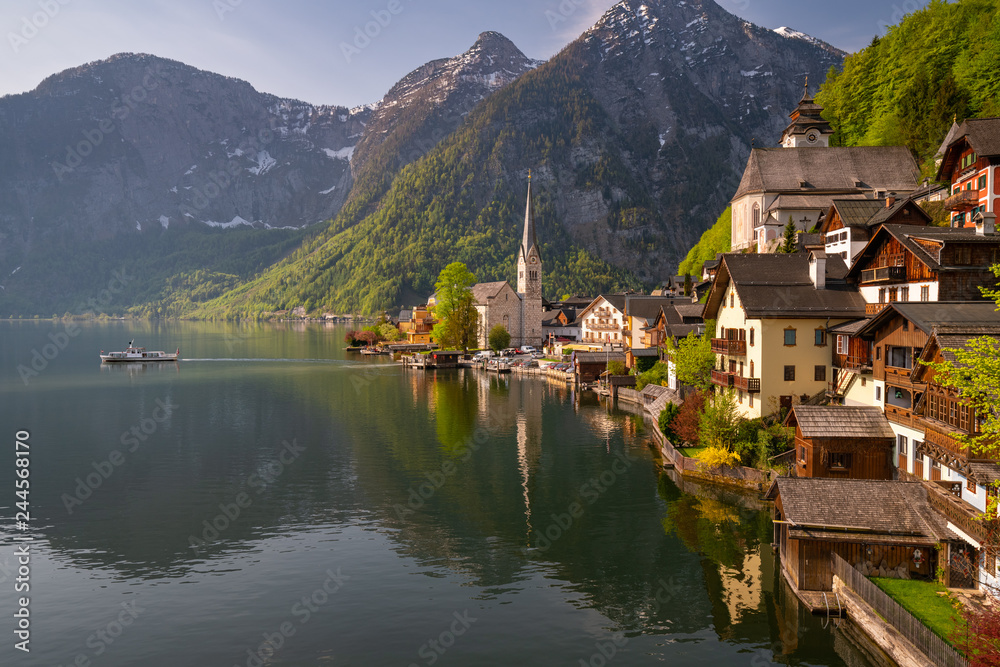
(665, 421)
(685, 424)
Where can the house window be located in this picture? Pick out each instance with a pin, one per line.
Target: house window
(878, 394)
(819, 373)
(981, 185)
(901, 444)
(893, 292)
(751, 400)
(906, 325)
(789, 373)
(841, 344)
(802, 455)
(970, 485)
(840, 461)
(820, 337)
(881, 295)
(732, 300)
(904, 293)
(789, 336)
(751, 336)
(864, 382)
(936, 465)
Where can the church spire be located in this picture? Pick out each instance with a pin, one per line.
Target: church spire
(529, 240)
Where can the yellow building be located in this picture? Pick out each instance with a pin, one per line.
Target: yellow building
(772, 312)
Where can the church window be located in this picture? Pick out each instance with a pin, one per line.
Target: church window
(756, 215)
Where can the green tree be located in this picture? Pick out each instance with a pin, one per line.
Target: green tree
(617, 368)
(693, 359)
(455, 309)
(499, 338)
(388, 332)
(720, 421)
(788, 242)
(665, 421)
(717, 239)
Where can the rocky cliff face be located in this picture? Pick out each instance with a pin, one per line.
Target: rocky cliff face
(689, 87)
(138, 142)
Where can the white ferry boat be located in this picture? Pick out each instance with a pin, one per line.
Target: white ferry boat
(139, 354)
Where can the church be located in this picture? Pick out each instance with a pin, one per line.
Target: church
(520, 312)
(800, 179)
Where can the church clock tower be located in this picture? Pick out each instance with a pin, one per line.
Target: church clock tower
(529, 278)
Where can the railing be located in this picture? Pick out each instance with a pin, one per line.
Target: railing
(858, 364)
(875, 308)
(962, 201)
(605, 327)
(722, 378)
(883, 274)
(934, 435)
(750, 385)
(938, 651)
(899, 415)
(729, 347)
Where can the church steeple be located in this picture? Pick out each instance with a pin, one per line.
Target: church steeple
(529, 240)
(808, 127)
(529, 277)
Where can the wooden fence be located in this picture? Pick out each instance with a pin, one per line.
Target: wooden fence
(936, 649)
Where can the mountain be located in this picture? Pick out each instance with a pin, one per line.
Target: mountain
(104, 155)
(637, 132)
(939, 64)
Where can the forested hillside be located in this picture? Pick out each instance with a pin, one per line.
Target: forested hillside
(938, 64)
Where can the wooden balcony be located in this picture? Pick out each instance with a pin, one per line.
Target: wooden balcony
(729, 347)
(962, 201)
(874, 308)
(749, 385)
(902, 416)
(723, 379)
(958, 512)
(941, 441)
(885, 274)
(609, 326)
(857, 363)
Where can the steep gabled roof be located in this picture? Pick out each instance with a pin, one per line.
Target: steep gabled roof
(900, 208)
(982, 134)
(856, 212)
(648, 307)
(851, 170)
(928, 315)
(778, 285)
(482, 292)
(909, 237)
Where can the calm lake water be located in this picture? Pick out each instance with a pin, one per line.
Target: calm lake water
(273, 500)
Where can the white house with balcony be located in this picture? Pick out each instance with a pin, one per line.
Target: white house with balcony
(602, 323)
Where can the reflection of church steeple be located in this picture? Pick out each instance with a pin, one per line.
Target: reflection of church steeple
(529, 436)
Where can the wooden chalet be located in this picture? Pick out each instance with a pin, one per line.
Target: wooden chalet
(913, 263)
(842, 442)
(970, 163)
(849, 223)
(881, 527)
(589, 366)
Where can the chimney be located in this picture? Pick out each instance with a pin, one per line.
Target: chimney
(986, 224)
(890, 199)
(817, 268)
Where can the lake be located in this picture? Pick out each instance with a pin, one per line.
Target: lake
(272, 499)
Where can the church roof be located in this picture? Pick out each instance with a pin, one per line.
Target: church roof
(482, 292)
(842, 170)
(529, 240)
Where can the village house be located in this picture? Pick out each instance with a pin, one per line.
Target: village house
(603, 321)
(916, 263)
(881, 527)
(841, 442)
(849, 224)
(970, 162)
(801, 179)
(589, 366)
(641, 339)
(416, 324)
(772, 313)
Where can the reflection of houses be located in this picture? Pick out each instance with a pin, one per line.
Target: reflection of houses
(800, 180)
(883, 528)
(841, 442)
(772, 313)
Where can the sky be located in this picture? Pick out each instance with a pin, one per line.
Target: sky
(318, 51)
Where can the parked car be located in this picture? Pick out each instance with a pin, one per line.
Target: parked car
(527, 349)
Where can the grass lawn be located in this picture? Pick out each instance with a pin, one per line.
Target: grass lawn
(921, 599)
(693, 452)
